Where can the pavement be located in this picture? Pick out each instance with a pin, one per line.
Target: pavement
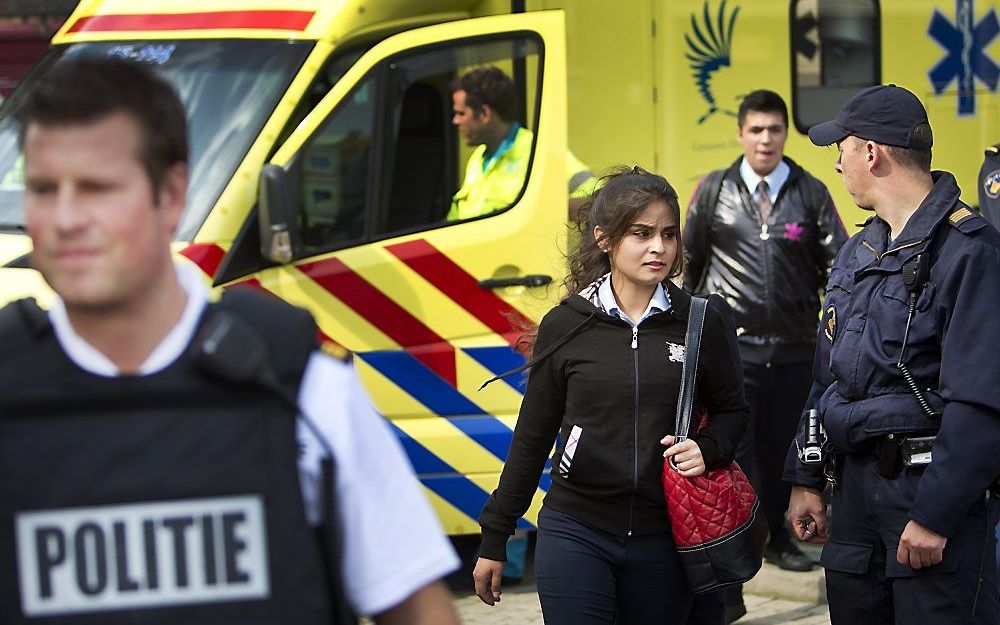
(773, 597)
(520, 607)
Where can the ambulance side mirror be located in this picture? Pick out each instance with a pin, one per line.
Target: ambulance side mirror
(277, 199)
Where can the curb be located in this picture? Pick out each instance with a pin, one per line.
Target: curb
(771, 581)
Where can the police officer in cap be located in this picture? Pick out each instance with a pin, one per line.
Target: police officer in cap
(905, 384)
(165, 459)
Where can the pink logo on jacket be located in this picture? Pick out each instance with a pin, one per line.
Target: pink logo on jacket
(794, 232)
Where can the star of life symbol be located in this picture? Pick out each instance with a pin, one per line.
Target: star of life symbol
(676, 352)
(965, 41)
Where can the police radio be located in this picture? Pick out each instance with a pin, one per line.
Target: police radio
(811, 453)
(916, 272)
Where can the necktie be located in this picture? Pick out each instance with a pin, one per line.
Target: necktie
(763, 201)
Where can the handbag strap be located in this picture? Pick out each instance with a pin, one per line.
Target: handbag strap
(689, 373)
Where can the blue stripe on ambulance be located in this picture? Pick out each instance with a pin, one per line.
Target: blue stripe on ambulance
(445, 482)
(442, 399)
(499, 360)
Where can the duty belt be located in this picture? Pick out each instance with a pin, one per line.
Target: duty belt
(896, 451)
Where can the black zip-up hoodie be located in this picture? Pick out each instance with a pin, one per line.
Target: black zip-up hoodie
(623, 400)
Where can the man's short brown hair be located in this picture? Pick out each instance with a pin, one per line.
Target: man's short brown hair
(490, 86)
(82, 91)
(913, 158)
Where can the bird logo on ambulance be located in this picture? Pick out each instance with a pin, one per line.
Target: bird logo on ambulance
(710, 43)
(141, 556)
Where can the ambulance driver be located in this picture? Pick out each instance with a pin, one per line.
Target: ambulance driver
(605, 377)
(151, 464)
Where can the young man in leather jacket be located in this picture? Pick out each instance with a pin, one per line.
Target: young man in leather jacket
(763, 233)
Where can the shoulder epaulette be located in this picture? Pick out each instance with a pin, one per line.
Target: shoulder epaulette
(993, 149)
(966, 219)
(336, 351)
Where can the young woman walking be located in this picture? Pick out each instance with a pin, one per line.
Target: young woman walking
(604, 379)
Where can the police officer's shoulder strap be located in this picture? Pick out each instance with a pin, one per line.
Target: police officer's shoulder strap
(966, 220)
(289, 333)
(992, 150)
(963, 219)
(22, 321)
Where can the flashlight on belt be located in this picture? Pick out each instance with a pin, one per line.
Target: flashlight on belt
(812, 451)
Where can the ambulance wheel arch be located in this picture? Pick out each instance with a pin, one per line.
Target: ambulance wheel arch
(406, 291)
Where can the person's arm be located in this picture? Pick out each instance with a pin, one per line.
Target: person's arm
(431, 605)
(537, 426)
(697, 232)
(720, 387)
(965, 459)
(393, 546)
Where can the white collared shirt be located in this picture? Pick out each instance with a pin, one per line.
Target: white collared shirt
(775, 180)
(393, 544)
(660, 302)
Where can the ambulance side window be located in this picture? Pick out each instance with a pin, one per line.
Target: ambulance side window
(335, 165)
(388, 160)
(425, 157)
(836, 50)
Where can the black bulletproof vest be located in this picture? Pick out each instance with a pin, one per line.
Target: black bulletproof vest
(172, 498)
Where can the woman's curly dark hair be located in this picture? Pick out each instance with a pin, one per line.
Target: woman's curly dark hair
(621, 195)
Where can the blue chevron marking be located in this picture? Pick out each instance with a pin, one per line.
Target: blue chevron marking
(423, 384)
(499, 360)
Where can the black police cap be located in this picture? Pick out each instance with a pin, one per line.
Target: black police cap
(885, 114)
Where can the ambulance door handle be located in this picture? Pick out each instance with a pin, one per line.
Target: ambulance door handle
(529, 280)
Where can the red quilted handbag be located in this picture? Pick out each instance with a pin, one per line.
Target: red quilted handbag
(715, 517)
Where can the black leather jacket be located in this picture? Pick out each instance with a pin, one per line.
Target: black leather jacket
(772, 275)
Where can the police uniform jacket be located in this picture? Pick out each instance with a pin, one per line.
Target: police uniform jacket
(770, 273)
(951, 352)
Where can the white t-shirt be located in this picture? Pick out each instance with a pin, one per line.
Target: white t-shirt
(393, 543)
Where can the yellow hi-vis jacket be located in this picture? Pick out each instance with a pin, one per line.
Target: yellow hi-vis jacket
(496, 186)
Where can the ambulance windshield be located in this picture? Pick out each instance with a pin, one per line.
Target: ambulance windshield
(229, 89)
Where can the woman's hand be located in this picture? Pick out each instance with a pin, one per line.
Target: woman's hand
(686, 454)
(487, 575)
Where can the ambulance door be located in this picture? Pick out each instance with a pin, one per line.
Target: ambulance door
(430, 307)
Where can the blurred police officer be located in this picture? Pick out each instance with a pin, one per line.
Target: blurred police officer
(905, 383)
(989, 185)
(153, 467)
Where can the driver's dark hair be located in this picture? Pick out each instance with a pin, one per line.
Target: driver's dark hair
(85, 90)
(490, 86)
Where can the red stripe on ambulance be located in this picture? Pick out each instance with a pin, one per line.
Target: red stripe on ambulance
(458, 284)
(254, 283)
(208, 256)
(270, 20)
(382, 312)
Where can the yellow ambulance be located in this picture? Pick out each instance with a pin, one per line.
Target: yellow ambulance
(324, 159)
